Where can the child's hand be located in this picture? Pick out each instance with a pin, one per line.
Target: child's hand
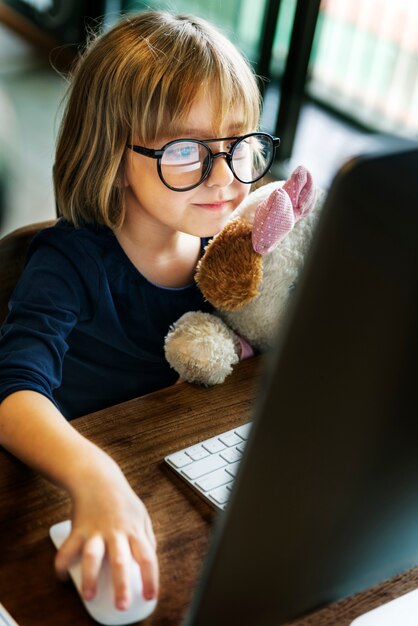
(109, 518)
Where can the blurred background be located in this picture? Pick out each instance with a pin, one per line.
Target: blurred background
(338, 77)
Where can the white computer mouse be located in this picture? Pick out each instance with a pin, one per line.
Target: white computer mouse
(102, 608)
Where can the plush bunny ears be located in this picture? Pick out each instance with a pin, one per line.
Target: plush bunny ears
(276, 215)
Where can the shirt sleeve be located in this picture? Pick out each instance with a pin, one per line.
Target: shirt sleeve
(50, 298)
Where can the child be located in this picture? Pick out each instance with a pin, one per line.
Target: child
(151, 160)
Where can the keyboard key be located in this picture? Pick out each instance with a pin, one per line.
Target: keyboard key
(232, 468)
(231, 455)
(221, 495)
(230, 439)
(179, 459)
(244, 430)
(204, 466)
(214, 480)
(214, 445)
(197, 452)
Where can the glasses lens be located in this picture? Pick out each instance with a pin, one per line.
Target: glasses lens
(184, 164)
(252, 157)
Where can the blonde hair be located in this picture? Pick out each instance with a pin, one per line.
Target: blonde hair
(138, 80)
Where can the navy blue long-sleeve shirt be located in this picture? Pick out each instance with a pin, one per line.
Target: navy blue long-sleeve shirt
(85, 328)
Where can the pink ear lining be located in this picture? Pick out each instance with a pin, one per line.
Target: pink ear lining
(274, 218)
(276, 215)
(301, 191)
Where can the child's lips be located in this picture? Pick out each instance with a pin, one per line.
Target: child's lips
(214, 206)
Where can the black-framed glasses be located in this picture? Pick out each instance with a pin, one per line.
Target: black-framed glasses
(183, 164)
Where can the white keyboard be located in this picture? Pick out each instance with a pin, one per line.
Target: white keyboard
(211, 465)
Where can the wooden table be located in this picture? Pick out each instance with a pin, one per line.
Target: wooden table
(138, 434)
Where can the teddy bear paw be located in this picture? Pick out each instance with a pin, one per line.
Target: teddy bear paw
(202, 348)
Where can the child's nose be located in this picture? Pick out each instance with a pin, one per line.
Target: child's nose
(220, 174)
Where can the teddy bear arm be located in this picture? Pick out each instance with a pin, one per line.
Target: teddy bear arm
(202, 348)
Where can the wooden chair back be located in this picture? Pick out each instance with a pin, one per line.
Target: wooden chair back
(13, 249)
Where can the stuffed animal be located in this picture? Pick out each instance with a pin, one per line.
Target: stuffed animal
(248, 272)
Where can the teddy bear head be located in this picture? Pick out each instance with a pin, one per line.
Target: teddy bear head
(230, 273)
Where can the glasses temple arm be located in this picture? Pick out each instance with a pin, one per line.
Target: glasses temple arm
(148, 152)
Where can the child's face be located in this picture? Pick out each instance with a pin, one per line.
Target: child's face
(202, 211)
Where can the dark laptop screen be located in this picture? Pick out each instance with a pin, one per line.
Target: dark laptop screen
(326, 500)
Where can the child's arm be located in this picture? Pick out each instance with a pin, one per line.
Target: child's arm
(107, 515)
